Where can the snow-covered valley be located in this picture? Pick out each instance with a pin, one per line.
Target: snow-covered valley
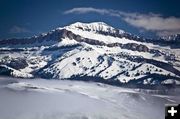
(63, 99)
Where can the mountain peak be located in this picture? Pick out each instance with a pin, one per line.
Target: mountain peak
(94, 26)
(175, 37)
(90, 24)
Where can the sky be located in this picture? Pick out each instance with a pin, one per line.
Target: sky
(148, 18)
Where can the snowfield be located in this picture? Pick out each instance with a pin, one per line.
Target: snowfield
(63, 99)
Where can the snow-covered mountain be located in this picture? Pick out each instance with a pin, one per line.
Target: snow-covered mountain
(172, 38)
(91, 51)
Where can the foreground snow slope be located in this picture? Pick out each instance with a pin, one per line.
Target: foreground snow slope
(45, 99)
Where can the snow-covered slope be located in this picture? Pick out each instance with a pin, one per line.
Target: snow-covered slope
(44, 99)
(91, 51)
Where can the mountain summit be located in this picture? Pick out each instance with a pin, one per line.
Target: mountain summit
(94, 27)
(91, 51)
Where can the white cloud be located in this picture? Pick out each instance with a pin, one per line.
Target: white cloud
(18, 29)
(154, 22)
(86, 10)
(150, 22)
(83, 10)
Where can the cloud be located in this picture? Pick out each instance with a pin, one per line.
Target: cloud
(154, 22)
(84, 10)
(150, 22)
(18, 29)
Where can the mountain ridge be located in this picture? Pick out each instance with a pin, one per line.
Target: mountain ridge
(84, 51)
